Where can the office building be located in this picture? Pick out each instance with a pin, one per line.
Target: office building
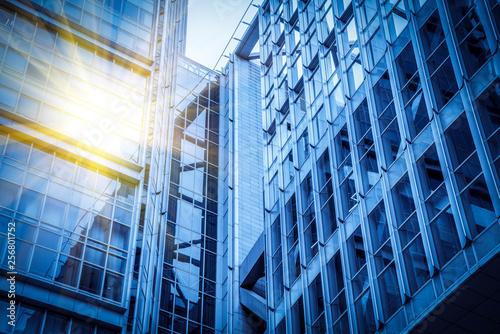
(75, 99)
(382, 165)
(122, 168)
(115, 166)
(145, 201)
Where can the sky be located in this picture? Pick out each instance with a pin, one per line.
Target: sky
(210, 26)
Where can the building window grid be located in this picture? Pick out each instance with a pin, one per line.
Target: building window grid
(42, 321)
(413, 96)
(192, 252)
(410, 218)
(113, 249)
(74, 68)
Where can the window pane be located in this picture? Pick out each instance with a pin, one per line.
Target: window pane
(55, 323)
(113, 287)
(409, 230)
(54, 212)
(17, 151)
(293, 263)
(356, 251)
(278, 284)
(429, 167)
(95, 256)
(432, 33)
(91, 279)
(30, 203)
(298, 322)
(335, 276)
(478, 205)
(9, 194)
(445, 236)
(43, 263)
(403, 199)
(488, 104)
(379, 226)
(389, 291)
(78, 327)
(391, 141)
(99, 229)
(459, 140)
(382, 92)
(328, 218)
(120, 236)
(364, 312)
(444, 84)
(316, 298)
(48, 239)
(275, 235)
(16, 60)
(324, 169)
(306, 192)
(475, 50)
(67, 271)
(406, 65)
(416, 265)
(23, 254)
(417, 115)
(29, 320)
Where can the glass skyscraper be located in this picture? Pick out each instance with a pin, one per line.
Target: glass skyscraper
(122, 169)
(381, 120)
(341, 174)
(73, 102)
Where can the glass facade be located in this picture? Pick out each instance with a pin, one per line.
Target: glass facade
(381, 167)
(73, 222)
(139, 189)
(191, 291)
(75, 111)
(61, 83)
(127, 23)
(114, 164)
(38, 320)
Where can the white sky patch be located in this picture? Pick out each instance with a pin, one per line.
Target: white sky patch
(209, 28)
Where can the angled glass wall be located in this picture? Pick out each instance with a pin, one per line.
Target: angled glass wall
(382, 178)
(191, 289)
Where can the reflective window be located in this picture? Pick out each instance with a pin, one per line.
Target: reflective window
(303, 147)
(444, 83)
(298, 321)
(364, 311)
(379, 227)
(471, 35)
(316, 298)
(416, 264)
(468, 172)
(328, 215)
(55, 257)
(417, 115)
(459, 140)
(55, 323)
(445, 236)
(389, 291)
(403, 199)
(396, 17)
(356, 251)
(31, 319)
(431, 174)
(487, 104)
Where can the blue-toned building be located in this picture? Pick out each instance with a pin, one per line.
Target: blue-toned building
(381, 180)
(122, 169)
(75, 101)
(341, 174)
